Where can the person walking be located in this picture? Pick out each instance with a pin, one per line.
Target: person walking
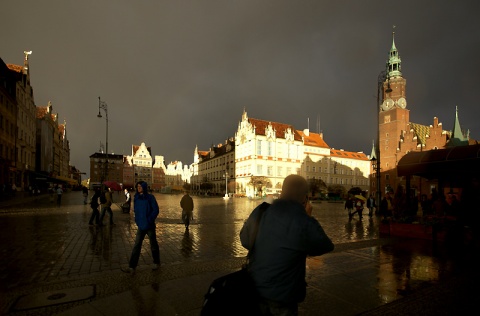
(186, 203)
(128, 201)
(94, 203)
(85, 194)
(145, 208)
(371, 205)
(358, 208)
(349, 206)
(59, 195)
(107, 206)
(287, 234)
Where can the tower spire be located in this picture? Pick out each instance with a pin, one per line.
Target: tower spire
(394, 63)
(457, 138)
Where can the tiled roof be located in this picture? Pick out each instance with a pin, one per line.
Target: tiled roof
(347, 154)
(16, 68)
(313, 139)
(280, 128)
(421, 131)
(41, 111)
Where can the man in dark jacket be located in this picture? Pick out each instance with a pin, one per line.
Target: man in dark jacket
(186, 203)
(287, 234)
(94, 203)
(146, 211)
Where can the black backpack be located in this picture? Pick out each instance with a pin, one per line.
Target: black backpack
(103, 199)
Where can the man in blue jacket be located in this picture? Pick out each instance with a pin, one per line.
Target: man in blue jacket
(146, 211)
(287, 234)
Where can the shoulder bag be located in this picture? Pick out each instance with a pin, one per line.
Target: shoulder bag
(234, 293)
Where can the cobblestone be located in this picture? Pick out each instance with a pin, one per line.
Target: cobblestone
(45, 248)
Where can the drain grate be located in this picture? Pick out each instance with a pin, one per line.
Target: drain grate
(51, 298)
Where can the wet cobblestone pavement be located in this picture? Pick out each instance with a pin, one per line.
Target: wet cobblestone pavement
(45, 247)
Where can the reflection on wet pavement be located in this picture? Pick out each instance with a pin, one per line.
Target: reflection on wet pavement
(46, 243)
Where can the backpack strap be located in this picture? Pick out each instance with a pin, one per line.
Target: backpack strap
(263, 207)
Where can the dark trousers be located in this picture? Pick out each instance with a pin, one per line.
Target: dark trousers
(137, 248)
(268, 307)
(95, 216)
(110, 213)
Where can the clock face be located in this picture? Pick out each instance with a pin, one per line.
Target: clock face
(387, 104)
(402, 103)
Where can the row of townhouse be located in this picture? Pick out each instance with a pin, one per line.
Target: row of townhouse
(141, 165)
(34, 149)
(263, 153)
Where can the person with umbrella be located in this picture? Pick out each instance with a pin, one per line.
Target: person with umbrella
(106, 200)
(359, 202)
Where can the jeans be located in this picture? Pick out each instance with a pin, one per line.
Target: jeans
(138, 247)
(110, 213)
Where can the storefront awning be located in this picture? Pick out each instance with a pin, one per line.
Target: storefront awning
(67, 180)
(460, 161)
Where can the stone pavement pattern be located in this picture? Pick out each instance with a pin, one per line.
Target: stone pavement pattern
(52, 249)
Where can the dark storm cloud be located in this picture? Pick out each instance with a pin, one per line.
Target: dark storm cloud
(176, 74)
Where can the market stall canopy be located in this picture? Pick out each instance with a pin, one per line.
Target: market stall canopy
(460, 161)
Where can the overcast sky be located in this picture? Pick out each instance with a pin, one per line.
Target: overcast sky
(176, 74)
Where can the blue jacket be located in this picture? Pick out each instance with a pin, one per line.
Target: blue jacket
(286, 236)
(145, 208)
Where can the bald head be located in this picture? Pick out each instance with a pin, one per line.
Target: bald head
(294, 188)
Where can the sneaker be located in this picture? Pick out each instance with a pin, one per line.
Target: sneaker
(155, 266)
(128, 270)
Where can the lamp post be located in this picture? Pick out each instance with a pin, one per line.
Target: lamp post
(226, 186)
(103, 105)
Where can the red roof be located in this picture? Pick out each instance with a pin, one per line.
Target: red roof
(41, 111)
(280, 128)
(16, 68)
(347, 154)
(313, 139)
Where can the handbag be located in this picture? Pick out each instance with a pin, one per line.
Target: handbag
(234, 293)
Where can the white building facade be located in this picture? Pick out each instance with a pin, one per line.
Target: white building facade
(266, 152)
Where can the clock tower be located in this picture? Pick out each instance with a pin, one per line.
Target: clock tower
(394, 119)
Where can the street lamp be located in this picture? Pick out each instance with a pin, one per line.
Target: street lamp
(226, 186)
(103, 105)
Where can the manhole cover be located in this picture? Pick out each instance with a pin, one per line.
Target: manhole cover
(54, 298)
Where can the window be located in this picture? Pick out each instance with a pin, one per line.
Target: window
(313, 169)
(279, 171)
(270, 171)
(259, 170)
(259, 147)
